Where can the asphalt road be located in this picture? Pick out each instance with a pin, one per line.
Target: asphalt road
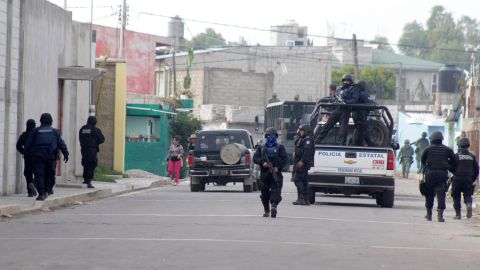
(222, 228)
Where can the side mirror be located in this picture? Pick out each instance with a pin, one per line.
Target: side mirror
(257, 123)
(395, 146)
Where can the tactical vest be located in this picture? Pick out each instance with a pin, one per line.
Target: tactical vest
(437, 157)
(299, 149)
(45, 139)
(465, 164)
(272, 152)
(88, 137)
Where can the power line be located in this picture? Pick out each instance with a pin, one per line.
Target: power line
(311, 35)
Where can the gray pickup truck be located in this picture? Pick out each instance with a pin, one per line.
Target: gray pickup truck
(220, 157)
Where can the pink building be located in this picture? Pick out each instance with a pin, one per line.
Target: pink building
(140, 51)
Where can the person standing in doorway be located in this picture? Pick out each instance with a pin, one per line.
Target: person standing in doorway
(90, 139)
(175, 159)
(28, 165)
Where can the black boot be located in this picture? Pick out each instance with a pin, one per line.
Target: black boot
(41, 198)
(469, 210)
(299, 200)
(266, 209)
(32, 192)
(273, 211)
(305, 199)
(428, 216)
(458, 214)
(440, 215)
(89, 183)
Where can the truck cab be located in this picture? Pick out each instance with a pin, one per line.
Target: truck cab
(354, 170)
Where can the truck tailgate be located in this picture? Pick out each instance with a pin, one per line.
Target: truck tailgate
(350, 160)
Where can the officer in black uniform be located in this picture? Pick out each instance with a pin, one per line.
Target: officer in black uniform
(90, 139)
(28, 164)
(360, 116)
(437, 159)
(42, 144)
(303, 161)
(349, 95)
(465, 174)
(271, 157)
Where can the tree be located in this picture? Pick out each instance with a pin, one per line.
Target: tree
(382, 43)
(380, 81)
(442, 39)
(184, 125)
(208, 39)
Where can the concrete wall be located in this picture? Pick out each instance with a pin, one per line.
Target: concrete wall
(10, 83)
(139, 53)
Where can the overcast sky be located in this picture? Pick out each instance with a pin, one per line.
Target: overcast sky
(365, 18)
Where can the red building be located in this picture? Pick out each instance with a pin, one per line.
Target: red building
(140, 51)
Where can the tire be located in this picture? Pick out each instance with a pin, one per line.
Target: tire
(379, 198)
(194, 187)
(202, 186)
(255, 186)
(378, 132)
(388, 198)
(311, 196)
(247, 188)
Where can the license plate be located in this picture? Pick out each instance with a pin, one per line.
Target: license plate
(352, 180)
(219, 172)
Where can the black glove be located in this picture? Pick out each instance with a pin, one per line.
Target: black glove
(65, 158)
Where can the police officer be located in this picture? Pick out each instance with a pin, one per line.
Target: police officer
(42, 144)
(90, 139)
(303, 161)
(405, 156)
(28, 164)
(465, 174)
(360, 116)
(348, 95)
(271, 157)
(274, 99)
(420, 145)
(437, 159)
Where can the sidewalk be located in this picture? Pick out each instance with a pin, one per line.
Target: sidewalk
(21, 204)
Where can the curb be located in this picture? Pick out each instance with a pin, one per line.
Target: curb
(13, 209)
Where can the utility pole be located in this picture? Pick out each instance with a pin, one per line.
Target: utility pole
(174, 68)
(122, 30)
(355, 58)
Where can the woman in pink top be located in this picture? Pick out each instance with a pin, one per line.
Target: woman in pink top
(175, 159)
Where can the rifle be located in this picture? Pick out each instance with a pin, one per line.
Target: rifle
(270, 167)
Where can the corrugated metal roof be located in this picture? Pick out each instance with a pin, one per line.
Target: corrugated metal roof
(389, 59)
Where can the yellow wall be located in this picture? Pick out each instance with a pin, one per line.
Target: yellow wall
(120, 116)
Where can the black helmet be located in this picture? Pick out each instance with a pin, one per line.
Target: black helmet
(305, 128)
(424, 134)
(46, 119)
(30, 124)
(347, 77)
(362, 84)
(436, 136)
(333, 86)
(92, 121)
(271, 130)
(463, 143)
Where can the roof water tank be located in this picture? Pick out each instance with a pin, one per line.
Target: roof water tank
(176, 27)
(449, 78)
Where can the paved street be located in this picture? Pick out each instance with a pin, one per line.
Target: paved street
(172, 228)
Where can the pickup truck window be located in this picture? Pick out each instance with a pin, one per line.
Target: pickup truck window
(215, 142)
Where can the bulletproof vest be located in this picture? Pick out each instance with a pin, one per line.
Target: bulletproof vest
(45, 139)
(271, 152)
(365, 98)
(465, 164)
(299, 148)
(437, 157)
(87, 137)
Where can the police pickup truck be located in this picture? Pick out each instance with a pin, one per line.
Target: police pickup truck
(352, 170)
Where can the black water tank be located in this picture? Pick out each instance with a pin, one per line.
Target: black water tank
(449, 78)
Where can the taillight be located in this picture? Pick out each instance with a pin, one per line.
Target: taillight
(391, 161)
(248, 159)
(190, 160)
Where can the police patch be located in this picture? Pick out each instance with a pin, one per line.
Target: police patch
(86, 131)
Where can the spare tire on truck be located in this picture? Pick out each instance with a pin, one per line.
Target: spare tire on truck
(232, 153)
(378, 132)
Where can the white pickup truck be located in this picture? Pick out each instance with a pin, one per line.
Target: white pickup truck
(352, 170)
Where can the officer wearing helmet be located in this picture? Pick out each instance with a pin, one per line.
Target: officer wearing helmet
(348, 95)
(274, 99)
(42, 144)
(465, 174)
(271, 157)
(303, 161)
(420, 146)
(437, 159)
(405, 156)
(360, 116)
